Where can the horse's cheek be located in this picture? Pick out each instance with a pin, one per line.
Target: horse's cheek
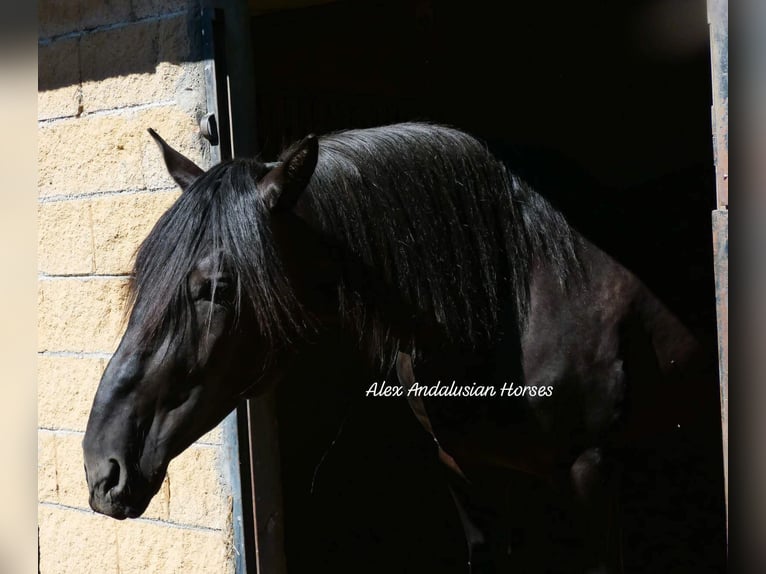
(212, 329)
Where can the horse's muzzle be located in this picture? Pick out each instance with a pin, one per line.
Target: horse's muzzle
(111, 493)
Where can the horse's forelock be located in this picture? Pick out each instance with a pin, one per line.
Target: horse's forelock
(221, 216)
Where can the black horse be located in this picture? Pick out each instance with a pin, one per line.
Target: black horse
(444, 266)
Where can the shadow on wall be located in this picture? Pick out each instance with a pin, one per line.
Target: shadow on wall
(78, 44)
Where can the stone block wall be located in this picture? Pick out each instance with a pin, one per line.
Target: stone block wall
(108, 70)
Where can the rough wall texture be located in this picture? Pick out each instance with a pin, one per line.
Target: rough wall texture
(107, 71)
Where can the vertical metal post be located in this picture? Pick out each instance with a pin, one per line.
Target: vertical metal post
(718, 18)
(265, 476)
(721, 263)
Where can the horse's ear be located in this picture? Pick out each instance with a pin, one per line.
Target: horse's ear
(183, 170)
(283, 185)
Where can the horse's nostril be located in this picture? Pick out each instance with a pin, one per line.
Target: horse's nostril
(113, 478)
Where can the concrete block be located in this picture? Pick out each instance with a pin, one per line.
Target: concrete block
(150, 547)
(208, 552)
(133, 65)
(77, 542)
(94, 13)
(70, 474)
(121, 223)
(56, 17)
(146, 8)
(98, 235)
(80, 315)
(58, 103)
(65, 390)
(65, 238)
(58, 84)
(47, 485)
(113, 152)
(197, 496)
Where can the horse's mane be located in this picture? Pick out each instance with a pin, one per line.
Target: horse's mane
(440, 219)
(427, 207)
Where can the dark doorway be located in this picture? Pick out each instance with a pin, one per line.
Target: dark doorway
(607, 114)
(595, 104)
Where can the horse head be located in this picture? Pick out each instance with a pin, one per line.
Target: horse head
(211, 322)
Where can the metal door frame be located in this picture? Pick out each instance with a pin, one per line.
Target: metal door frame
(718, 18)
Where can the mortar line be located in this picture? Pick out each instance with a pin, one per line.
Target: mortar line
(107, 27)
(179, 525)
(80, 276)
(97, 194)
(76, 354)
(122, 110)
(65, 432)
(73, 432)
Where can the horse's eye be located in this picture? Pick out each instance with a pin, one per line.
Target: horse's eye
(221, 292)
(224, 292)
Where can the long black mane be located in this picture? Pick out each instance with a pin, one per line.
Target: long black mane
(427, 207)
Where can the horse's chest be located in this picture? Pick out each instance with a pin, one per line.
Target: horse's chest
(574, 349)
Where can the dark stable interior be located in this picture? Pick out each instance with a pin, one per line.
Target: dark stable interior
(605, 109)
